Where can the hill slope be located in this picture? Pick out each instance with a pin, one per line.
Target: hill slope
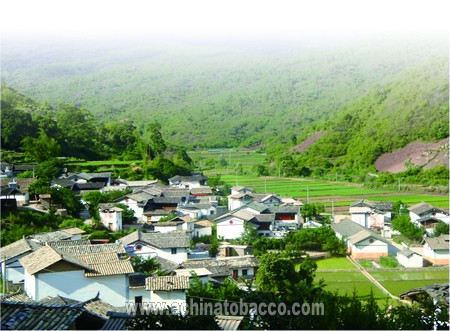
(231, 96)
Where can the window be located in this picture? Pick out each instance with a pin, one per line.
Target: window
(174, 251)
(244, 272)
(138, 299)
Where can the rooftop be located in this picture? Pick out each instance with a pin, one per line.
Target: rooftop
(157, 239)
(167, 283)
(441, 242)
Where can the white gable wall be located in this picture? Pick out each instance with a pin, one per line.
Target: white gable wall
(148, 251)
(74, 285)
(369, 248)
(230, 228)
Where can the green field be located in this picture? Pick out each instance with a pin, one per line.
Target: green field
(335, 263)
(319, 191)
(403, 280)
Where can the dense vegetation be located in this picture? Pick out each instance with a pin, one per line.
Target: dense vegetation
(152, 104)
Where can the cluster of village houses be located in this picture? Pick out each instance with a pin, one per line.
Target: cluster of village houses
(92, 281)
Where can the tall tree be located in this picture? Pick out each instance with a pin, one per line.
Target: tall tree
(42, 148)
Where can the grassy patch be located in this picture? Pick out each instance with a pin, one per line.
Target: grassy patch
(366, 263)
(389, 262)
(396, 286)
(335, 263)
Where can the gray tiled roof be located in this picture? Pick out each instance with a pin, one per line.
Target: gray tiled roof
(167, 283)
(47, 256)
(230, 323)
(383, 206)
(176, 192)
(157, 239)
(60, 244)
(15, 249)
(347, 227)
(193, 178)
(31, 316)
(406, 252)
(441, 242)
(116, 321)
(201, 190)
(19, 296)
(222, 266)
(50, 236)
(263, 218)
(89, 248)
(424, 208)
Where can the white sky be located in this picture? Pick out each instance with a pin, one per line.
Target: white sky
(41, 18)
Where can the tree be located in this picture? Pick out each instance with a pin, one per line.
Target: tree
(16, 124)
(127, 213)
(441, 228)
(42, 148)
(145, 265)
(214, 248)
(155, 144)
(249, 235)
(276, 275)
(407, 228)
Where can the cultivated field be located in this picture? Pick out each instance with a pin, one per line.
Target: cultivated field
(397, 281)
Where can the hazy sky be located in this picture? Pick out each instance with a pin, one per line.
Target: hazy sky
(232, 18)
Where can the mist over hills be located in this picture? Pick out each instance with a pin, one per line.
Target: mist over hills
(249, 94)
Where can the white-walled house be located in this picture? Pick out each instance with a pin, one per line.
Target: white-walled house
(436, 250)
(236, 201)
(171, 246)
(12, 270)
(169, 291)
(136, 202)
(231, 226)
(77, 272)
(424, 210)
(110, 216)
(185, 224)
(241, 189)
(203, 228)
(371, 214)
(188, 181)
(409, 258)
(361, 242)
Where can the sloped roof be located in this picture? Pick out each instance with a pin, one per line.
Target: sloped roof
(203, 224)
(201, 190)
(31, 316)
(378, 205)
(73, 230)
(60, 244)
(220, 267)
(116, 321)
(198, 271)
(437, 292)
(263, 218)
(89, 248)
(176, 192)
(15, 249)
(347, 227)
(227, 322)
(157, 239)
(167, 283)
(363, 235)
(441, 242)
(424, 208)
(50, 236)
(193, 178)
(24, 183)
(47, 256)
(407, 252)
(18, 296)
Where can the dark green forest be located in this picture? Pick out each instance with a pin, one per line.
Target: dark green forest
(367, 97)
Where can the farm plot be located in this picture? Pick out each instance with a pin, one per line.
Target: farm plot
(398, 281)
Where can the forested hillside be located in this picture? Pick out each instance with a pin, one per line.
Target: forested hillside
(241, 96)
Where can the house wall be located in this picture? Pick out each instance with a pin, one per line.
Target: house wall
(231, 228)
(173, 299)
(361, 219)
(112, 220)
(368, 250)
(440, 257)
(135, 292)
(198, 232)
(74, 285)
(148, 251)
(14, 272)
(414, 261)
(165, 229)
(132, 204)
(250, 272)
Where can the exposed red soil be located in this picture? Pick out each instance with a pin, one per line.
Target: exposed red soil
(419, 153)
(302, 147)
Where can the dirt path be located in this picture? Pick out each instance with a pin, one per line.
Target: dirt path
(374, 281)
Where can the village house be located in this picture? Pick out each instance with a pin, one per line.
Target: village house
(195, 180)
(409, 258)
(225, 267)
(436, 250)
(171, 246)
(78, 271)
(203, 228)
(168, 290)
(419, 213)
(185, 224)
(362, 243)
(202, 273)
(371, 214)
(12, 270)
(110, 216)
(136, 202)
(267, 220)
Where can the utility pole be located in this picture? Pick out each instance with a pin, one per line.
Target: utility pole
(332, 211)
